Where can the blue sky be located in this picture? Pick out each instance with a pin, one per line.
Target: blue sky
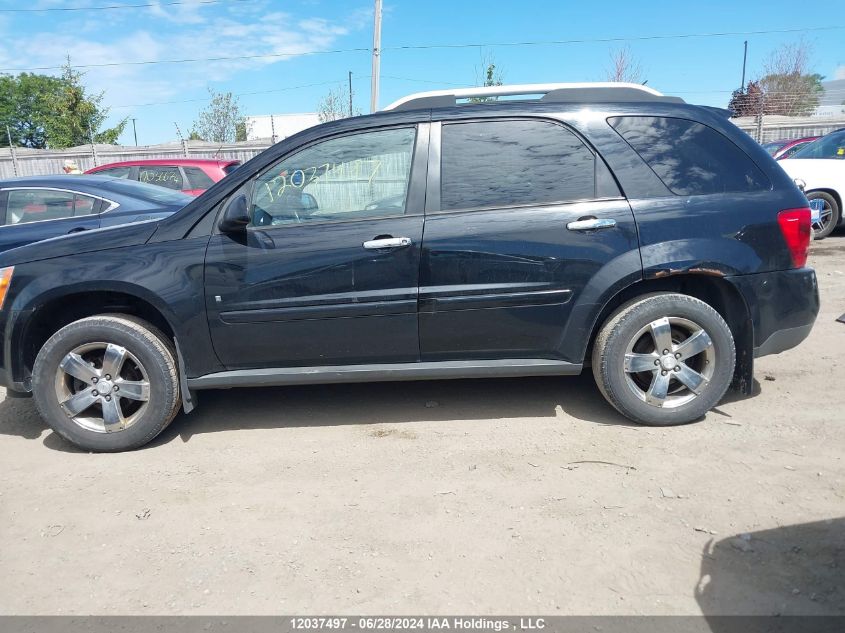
(700, 69)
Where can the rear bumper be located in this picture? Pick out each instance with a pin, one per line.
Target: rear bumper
(783, 306)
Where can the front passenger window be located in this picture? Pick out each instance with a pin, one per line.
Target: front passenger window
(346, 178)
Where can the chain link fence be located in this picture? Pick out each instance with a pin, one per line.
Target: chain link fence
(767, 128)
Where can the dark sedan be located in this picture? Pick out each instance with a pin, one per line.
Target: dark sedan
(40, 207)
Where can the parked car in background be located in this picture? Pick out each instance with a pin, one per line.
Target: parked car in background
(40, 207)
(787, 147)
(820, 167)
(605, 226)
(188, 175)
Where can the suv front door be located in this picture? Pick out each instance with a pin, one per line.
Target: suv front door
(513, 255)
(328, 270)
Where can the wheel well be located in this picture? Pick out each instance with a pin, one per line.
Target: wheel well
(53, 315)
(714, 291)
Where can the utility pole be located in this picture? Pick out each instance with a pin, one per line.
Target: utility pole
(12, 151)
(374, 85)
(350, 93)
(93, 147)
(135, 132)
(182, 138)
(744, 59)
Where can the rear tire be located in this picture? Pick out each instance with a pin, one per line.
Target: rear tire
(664, 359)
(831, 214)
(107, 383)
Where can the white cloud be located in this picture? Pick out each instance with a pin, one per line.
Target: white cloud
(839, 73)
(188, 13)
(187, 34)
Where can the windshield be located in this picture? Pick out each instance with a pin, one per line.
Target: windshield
(151, 193)
(830, 146)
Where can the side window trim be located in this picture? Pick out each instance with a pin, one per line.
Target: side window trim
(432, 194)
(187, 183)
(416, 192)
(4, 198)
(600, 191)
(102, 205)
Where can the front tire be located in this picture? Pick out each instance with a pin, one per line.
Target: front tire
(107, 383)
(664, 359)
(830, 214)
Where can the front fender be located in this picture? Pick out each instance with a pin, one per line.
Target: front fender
(167, 276)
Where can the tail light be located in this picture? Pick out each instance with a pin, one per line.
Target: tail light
(795, 227)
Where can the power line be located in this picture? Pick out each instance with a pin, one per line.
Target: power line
(241, 94)
(119, 6)
(191, 59)
(834, 92)
(599, 40)
(438, 46)
(261, 92)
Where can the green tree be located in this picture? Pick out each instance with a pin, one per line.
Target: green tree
(335, 105)
(76, 117)
(747, 101)
(489, 75)
(241, 130)
(25, 108)
(220, 120)
(787, 86)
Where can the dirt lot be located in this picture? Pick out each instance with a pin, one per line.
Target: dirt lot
(527, 496)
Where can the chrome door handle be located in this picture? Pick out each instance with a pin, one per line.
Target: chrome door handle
(388, 242)
(591, 225)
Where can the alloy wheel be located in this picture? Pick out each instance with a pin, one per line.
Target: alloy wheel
(669, 362)
(102, 387)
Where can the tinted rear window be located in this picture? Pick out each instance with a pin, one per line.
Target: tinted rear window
(150, 193)
(690, 158)
(197, 178)
(507, 163)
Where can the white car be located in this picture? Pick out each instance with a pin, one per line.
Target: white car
(821, 167)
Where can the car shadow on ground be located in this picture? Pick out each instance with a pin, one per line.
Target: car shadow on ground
(787, 571)
(365, 403)
(394, 403)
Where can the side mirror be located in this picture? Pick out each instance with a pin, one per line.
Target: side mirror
(235, 216)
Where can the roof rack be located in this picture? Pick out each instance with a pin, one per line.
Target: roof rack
(553, 93)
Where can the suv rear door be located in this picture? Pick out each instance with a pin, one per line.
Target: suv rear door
(513, 260)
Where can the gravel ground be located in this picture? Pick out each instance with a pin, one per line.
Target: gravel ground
(527, 496)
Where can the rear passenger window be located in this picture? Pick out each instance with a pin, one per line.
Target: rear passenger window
(690, 158)
(507, 163)
(115, 172)
(163, 176)
(198, 178)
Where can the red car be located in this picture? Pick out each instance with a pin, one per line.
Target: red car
(787, 147)
(188, 175)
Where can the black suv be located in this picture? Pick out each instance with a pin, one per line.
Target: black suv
(600, 225)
